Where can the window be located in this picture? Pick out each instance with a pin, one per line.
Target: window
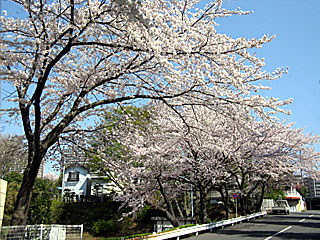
(73, 176)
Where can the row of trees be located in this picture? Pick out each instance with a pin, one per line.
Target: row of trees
(155, 156)
(69, 61)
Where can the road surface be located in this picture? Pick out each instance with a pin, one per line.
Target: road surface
(295, 226)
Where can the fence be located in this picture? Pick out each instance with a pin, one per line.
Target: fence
(42, 232)
(203, 227)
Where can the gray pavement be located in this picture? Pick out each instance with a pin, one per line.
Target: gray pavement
(304, 225)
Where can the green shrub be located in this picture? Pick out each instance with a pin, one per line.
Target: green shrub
(274, 194)
(56, 210)
(102, 219)
(103, 227)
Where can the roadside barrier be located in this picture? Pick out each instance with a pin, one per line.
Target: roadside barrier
(42, 232)
(204, 227)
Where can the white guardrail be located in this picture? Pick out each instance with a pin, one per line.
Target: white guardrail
(204, 227)
(42, 232)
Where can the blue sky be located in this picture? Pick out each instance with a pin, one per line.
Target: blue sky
(296, 25)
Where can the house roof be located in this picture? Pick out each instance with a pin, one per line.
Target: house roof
(76, 165)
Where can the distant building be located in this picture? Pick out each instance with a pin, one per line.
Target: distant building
(313, 193)
(19, 165)
(313, 187)
(14, 156)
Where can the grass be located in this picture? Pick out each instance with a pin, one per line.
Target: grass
(127, 237)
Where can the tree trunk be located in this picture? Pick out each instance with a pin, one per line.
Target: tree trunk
(242, 205)
(169, 211)
(225, 198)
(22, 204)
(173, 220)
(259, 204)
(203, 210)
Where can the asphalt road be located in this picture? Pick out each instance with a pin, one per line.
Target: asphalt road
(304, 225)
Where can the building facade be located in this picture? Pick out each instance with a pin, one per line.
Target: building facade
(75, 182)
(79, 184)
(313, 193)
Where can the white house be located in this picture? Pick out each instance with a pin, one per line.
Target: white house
(76, 181)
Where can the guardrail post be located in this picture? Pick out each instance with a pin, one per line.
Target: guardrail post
(41, 231)
(81, 231)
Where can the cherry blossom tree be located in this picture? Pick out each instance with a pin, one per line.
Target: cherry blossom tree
(167, 156)
(209, 148)
(121, 148)
(69, 60)
(266, 153)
